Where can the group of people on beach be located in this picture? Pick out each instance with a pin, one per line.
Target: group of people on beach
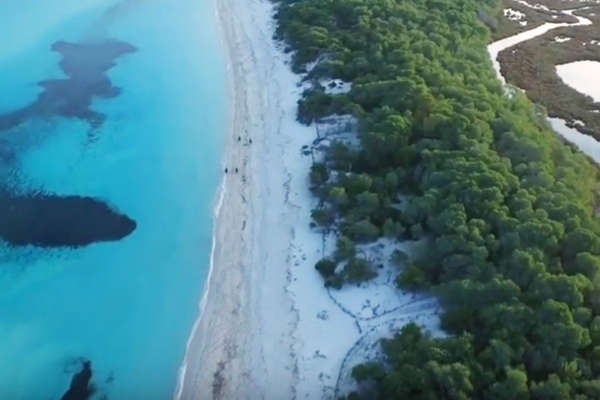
(239, 139)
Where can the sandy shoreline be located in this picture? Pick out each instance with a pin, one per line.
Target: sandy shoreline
(268, 328)
(224, 352)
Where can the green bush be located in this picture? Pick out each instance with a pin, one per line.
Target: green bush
(326, 267)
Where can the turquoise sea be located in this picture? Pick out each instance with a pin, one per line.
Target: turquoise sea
(147, 146)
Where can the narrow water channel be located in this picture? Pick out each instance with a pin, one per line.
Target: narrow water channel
(585, 143)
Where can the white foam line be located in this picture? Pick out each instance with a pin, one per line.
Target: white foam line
(202, 304)
(217, 211)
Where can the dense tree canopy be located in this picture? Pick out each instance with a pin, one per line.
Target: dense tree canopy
(447, 156)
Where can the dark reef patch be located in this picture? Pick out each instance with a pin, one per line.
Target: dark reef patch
(81, 387)
(47, 220)
(59, 221)
(85, 66)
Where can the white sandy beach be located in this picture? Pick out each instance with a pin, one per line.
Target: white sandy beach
(268, 328)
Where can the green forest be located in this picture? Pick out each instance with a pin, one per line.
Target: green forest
(447, 156)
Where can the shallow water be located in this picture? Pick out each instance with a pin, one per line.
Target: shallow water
(583, 76)
(126, 305)
(585, 143)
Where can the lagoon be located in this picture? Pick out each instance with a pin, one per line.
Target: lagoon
(582, 76)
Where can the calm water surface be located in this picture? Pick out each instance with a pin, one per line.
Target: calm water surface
(583, 76)
(122, 102)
